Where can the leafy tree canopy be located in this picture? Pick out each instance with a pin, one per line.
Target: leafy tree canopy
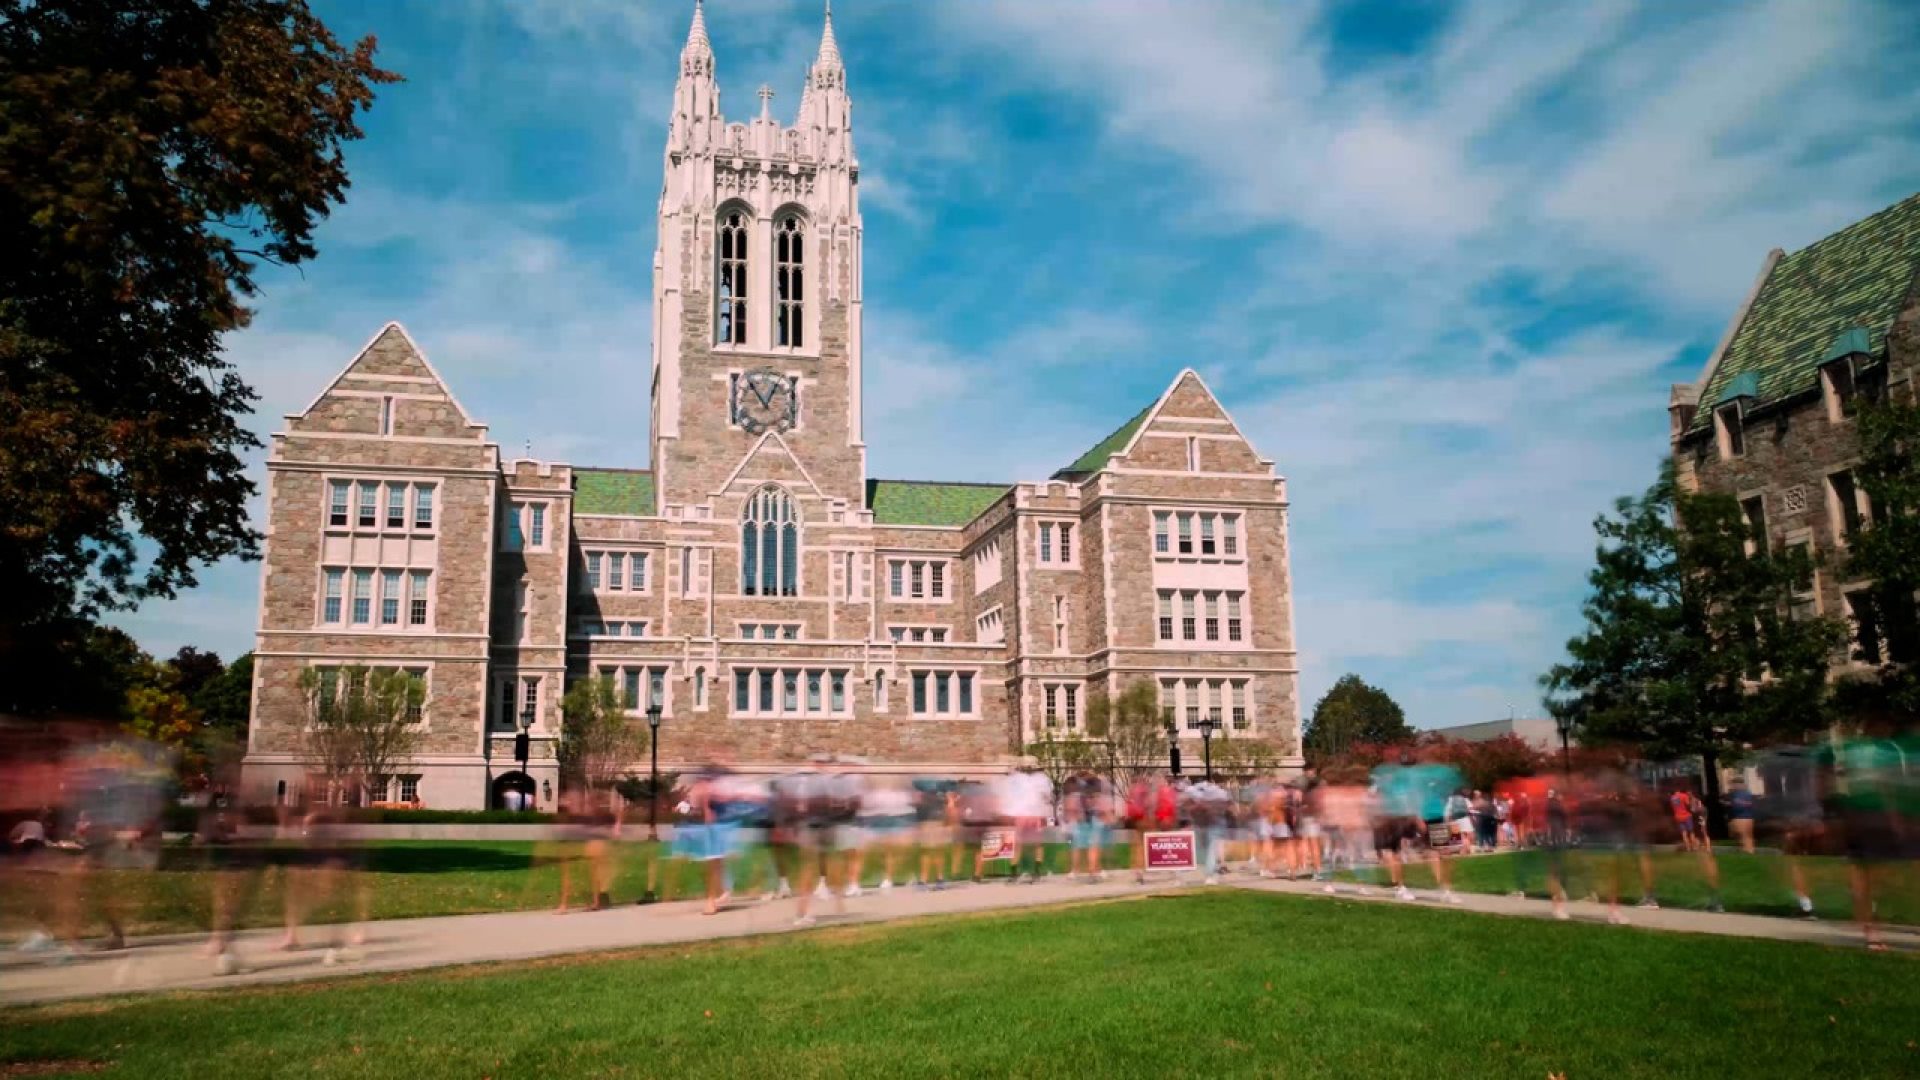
(152, 154)
(1351, 712)
(1691, 644)
(1888, 554)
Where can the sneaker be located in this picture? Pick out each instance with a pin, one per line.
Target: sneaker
(1403, 893)
(1211, 880)
(1614, 918)
(853, 891)
(38, 941)
(1329, 889)
(225, 964)
(1806, 907)
(1561, 914)
(1026, 879)
(1451, 897)
(1649, 903)
(821, 892)
(1266, 873)
(803, 922)
(784, 890)
(886, 885)
(1714, 905)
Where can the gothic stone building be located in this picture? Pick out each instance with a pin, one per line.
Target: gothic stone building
(1771, 419)
(772, 599)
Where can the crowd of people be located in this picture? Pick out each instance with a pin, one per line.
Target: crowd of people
(814, 835)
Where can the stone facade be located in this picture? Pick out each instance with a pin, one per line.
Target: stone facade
(772, 599)
(1770, 420)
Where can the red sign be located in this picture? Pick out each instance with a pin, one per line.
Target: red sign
(998, 844)
(1170, 850)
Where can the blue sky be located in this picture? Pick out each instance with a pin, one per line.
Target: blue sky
(1441, 261)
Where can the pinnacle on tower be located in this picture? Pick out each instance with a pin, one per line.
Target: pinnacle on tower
(697, 57)
(829, 49)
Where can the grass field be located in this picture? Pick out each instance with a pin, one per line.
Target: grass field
(1204, 984)
(417, 878)
(1754, 884)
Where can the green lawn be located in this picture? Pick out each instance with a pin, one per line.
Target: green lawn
(407, 879)
(1756, 884)
(1205, 984)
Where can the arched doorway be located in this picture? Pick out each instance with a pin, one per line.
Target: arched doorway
(513, 791)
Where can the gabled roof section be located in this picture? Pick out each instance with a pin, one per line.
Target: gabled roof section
(623, 492)
(1860, 277)
(1100, 453)
(391, 351)
(917, 502)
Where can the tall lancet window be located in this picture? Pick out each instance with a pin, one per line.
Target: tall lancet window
(730, 307)
(789, 238)
(769, 545)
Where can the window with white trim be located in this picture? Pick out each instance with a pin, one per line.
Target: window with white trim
(921, 580)
(770, 631)
(789, 281)
(1060, 705)
(1196, 536)
(610, 628)
(1203, 615)
(1184, 702)
(1056, 543)
(382, 597)
(379, 506)
(730, 292)
(613, 571)
(524, 526)
(782, 692)
(769, 545)
(918, 635)
(637, 686)
(410, 788)
(943, 693)
(1848, 508)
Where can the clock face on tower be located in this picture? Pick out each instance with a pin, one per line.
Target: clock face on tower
(764, 400)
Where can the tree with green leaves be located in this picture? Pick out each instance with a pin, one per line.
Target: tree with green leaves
(1241, 757)
(1130, 731)
(152, 155)
(361, 724)
(1690, 646)
(1350, 713)
(1060, 758)
(598, 740)
(1888, 554)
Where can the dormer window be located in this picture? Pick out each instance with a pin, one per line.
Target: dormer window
(1729, 431)
(1838, 388)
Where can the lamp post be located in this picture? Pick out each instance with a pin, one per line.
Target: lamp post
(1207, 727)
(1173, 749)
(1566, 751)
(653, 772)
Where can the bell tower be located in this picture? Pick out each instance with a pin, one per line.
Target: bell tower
(756, 285)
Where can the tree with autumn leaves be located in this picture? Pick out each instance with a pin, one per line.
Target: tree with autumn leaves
(153, 154)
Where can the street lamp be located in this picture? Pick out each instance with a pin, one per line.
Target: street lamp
(1207, 727)
(1173, 749)
(653, 771)
(1566, 751)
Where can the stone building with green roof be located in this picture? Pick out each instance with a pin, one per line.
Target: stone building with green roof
(754, 584)
(1771, 418)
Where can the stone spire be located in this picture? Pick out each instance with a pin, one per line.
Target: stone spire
(697, 57)
(829, 48)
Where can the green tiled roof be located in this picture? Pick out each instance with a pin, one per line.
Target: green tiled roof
(1096, 459)
(613, 491)
(914, 502)
(1856, 278)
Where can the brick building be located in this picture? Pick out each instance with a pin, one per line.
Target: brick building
(1770, 420)
(755, 582)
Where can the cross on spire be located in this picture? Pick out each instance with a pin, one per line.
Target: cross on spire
(766, 101)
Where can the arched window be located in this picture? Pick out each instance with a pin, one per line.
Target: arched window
(769, 545)
(789, 238)
(730, 300)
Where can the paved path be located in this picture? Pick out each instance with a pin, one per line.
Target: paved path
(178, 962)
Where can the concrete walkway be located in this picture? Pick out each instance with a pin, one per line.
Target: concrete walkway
(178, 962)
